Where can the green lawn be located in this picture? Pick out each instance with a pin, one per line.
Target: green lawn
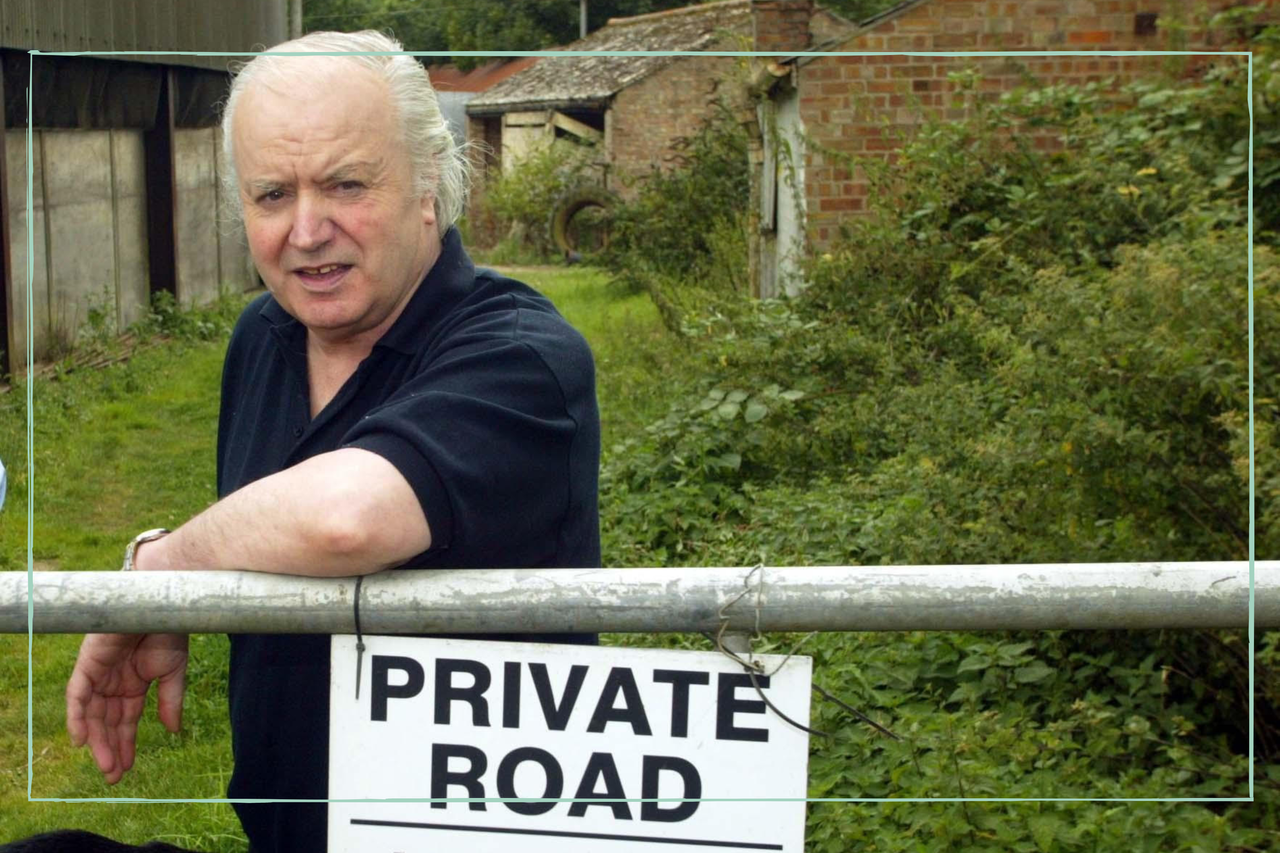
(130, 447)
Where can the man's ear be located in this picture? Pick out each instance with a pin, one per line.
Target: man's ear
(428, 202)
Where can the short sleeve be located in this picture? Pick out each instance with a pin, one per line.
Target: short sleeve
(485, 434)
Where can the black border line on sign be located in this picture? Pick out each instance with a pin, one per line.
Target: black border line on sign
(600, 836)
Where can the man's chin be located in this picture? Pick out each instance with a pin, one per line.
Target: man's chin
(322, 314)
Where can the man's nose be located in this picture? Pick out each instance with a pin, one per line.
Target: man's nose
(312, 227)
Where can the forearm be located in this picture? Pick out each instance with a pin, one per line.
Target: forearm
(348, 512)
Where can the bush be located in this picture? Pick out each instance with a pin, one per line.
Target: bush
(1025, 358)
(521, 200)
(203, 322)
(682, 238)
(1098, 417)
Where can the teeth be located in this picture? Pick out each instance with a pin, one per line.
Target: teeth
(320, 271)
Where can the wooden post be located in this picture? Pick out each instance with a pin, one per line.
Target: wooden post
(162, 223)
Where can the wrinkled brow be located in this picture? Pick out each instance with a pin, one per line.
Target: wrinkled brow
(349, 171)
(260, 187)
(344, 172)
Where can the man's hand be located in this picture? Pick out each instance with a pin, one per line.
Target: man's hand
(108, 688)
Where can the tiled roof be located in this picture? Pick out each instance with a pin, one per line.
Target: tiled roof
(563, 82)
(447, 78)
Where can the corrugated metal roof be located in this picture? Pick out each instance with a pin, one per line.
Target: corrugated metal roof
(144, 25)
(563, 82)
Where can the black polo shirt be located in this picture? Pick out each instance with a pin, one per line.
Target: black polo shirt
(483, 397)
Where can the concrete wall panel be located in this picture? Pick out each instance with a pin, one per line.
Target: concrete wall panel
(131, 227)
(80, 222)
(95, 194)
(236, 272)
(16, 152)
(197, 213)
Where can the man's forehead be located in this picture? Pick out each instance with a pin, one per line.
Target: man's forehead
(313, 87)
(293, 75)
(343, 120)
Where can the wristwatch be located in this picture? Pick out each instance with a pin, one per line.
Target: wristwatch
(132, 547)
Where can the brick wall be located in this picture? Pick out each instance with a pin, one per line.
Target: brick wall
(862, 104)
(650, 115)
(781, 24)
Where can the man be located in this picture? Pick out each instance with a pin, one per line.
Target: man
(384, 405)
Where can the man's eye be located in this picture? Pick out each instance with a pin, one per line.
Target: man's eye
(271, 195)
(350, 186)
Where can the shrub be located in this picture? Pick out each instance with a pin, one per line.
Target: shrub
(683, 237)
(1016, 362)
(521, 200)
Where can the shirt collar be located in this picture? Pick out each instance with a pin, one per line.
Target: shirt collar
(450, 278)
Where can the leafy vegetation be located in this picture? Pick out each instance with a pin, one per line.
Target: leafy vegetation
(513, 217)
(652, 247)
(1023, 357)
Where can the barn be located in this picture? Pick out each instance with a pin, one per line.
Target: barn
(124, 164)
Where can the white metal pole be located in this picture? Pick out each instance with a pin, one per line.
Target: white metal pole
(817, 598)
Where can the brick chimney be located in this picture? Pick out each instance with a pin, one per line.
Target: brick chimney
(781, 25)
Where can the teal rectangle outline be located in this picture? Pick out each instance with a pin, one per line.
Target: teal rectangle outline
(515, 53)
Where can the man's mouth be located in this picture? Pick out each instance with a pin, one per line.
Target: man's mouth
(325, 275)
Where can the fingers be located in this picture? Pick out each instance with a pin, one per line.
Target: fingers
(169, 694)
(107, 691)
(92, 681)
(79, 690)
(100, 724)
(112, 735)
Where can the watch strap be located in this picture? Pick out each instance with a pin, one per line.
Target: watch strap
(132, 547)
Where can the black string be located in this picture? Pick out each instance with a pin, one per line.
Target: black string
(752, 668)
(359, 636)
(751, 673)
(856, 713)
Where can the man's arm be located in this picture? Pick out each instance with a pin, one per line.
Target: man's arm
(342, 513)
(348, 512)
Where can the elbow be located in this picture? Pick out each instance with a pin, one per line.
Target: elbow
(348, 543)
(343, 538)
(370, 518)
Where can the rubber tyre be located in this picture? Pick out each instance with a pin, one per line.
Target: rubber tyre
(570, 205)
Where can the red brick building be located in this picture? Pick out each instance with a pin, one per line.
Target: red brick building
(860, 104)
(633, 108)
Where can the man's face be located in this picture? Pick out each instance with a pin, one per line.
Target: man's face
(334, 226)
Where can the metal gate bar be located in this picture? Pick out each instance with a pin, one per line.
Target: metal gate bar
(816, 598)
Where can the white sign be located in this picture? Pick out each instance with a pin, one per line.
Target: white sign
(474, 719)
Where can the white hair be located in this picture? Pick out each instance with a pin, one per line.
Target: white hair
(440, 167)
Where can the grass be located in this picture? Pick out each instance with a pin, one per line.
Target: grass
(116, 450)
(131, 446)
